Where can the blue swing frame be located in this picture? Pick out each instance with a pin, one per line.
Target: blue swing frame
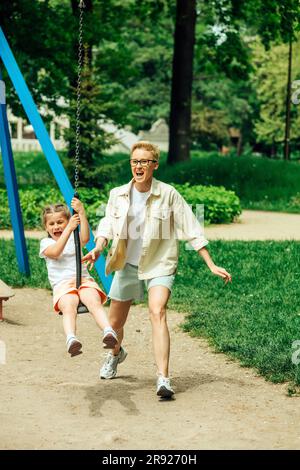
(49, 152)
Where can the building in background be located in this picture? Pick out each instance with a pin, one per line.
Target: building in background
(23, 137)
(158, 134)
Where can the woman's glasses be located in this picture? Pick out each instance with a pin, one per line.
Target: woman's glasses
(143, 163)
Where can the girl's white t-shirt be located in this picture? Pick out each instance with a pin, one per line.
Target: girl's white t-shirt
(136, 225)
(64, 267)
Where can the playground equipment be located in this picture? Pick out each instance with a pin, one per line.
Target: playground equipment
(49, 151)
(5, 293)
(81, 307)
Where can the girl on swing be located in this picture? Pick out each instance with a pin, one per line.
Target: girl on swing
(59, 252)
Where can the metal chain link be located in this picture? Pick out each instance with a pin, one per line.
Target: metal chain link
(79, 68)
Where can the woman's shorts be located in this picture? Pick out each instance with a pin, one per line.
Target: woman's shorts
(127, 286)
(69, 287)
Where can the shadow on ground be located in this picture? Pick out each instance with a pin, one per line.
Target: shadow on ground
(124, 389)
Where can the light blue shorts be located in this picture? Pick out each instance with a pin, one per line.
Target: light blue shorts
(127, 286)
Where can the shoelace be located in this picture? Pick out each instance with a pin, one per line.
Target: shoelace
(163, 380)
(110, 359)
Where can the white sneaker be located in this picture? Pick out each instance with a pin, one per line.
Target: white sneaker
(110, 338)
(109, 368)
(74, 346)
(164, 388)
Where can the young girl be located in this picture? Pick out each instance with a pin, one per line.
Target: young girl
(59, 252)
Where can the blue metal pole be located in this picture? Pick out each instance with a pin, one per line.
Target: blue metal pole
(45, 142)
(12, 186)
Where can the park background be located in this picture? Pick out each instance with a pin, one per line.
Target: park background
(222, 78)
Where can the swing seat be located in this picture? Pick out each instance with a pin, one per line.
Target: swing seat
(82, 308)
(5, 293)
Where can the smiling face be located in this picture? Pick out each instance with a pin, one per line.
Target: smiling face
(143, 174)
(55, 224)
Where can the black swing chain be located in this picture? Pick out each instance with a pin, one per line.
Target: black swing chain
(79, 68)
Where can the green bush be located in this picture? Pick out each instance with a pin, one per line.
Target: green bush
(295, 201)
(33, 200)
(260, 183)
(220, 205)
(31, 167)
(255, 180)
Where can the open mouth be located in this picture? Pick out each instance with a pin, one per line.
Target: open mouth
(139, 174)
(57, 234)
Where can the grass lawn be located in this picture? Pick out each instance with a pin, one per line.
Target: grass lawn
(255, 319)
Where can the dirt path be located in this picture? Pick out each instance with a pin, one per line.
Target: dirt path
(50, 401)
(252, 225)
(258, 225)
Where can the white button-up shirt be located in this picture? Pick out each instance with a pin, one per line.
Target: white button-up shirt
(168, 219)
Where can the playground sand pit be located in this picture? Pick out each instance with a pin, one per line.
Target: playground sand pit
(52, 401)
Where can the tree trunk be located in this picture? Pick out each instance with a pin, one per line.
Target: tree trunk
(288, 108)
(273, 149)
(182, 79)
(239, 147)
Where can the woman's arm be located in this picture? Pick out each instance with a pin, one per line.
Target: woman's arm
(221, 272)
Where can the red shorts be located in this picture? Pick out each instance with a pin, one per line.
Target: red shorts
(69, 287)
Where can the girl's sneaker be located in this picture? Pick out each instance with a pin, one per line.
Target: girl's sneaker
(110, 338)
(74, 346)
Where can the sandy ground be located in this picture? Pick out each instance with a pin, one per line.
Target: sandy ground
(258, 225)
(252, 225)
(52, 401)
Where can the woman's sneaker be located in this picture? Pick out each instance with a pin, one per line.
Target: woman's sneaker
(164, 388)
(74, 346)
(109, 368)
(110, 338)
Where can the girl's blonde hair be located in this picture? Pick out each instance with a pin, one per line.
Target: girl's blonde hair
(52, 208)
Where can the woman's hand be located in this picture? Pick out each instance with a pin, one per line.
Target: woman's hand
(221, 272)
(91, 257)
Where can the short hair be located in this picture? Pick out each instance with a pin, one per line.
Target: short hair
(144, 144)
(52, 208)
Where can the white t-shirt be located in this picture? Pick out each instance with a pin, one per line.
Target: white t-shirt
(64, 267)
(136, 225)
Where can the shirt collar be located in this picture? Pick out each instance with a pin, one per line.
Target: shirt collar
(125, 189)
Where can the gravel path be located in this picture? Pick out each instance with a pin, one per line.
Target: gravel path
(52, 401)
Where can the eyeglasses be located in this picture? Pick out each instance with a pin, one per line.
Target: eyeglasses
(143, 163)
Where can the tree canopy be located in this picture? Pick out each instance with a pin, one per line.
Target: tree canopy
(131, 51)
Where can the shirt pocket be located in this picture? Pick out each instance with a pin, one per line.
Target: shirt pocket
(161, 214)
(117, 220)
(161, 223)
(115, 212)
